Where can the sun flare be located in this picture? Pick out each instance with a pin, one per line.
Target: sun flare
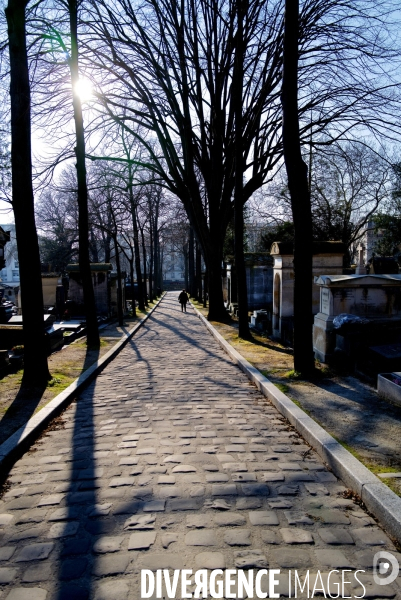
(84, 89)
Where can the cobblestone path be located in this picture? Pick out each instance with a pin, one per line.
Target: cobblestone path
(172, 459)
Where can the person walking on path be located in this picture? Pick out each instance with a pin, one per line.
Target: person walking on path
(183, 299)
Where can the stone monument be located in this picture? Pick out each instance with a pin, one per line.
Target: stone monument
(101, 286)
(259, 281)
(374, 297)
(327, 259)
(360, 267)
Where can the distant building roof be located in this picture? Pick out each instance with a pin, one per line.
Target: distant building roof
(253, 258)
(287, 248)
(358, 280)
(74, 268)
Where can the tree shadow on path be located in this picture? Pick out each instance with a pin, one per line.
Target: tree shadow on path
(21, 410)
(73, 564)
(27, 400)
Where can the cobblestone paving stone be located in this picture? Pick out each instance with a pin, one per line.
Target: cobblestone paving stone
(172, 459)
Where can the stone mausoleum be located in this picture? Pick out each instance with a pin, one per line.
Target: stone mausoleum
(101, 286)
(328, 259)
(374, 298)
(259, 280)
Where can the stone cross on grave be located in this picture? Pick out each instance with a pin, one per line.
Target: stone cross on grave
(360, 267)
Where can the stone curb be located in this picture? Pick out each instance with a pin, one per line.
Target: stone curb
(382, 502)
(17, 443)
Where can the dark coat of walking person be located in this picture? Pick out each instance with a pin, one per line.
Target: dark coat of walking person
(183, 299)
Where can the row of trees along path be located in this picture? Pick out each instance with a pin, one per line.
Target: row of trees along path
(212, 112)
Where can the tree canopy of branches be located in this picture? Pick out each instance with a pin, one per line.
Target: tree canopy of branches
(388, 222)
(57, 221)
(168, 66)
(350, 183)
(172, 65)
(5, 168)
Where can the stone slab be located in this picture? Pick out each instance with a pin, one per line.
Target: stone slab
(141, 541)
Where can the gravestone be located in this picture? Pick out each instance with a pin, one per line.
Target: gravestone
(389, 385)
(360, 267)
(50, 281)
(101, 286)
(259, 281)
(260, 320)
(114, 291)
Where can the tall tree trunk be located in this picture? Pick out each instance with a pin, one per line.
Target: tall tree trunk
(144, 267)
(151, 274)
(191, 263)
(36, 370)
(106, 246)
(107, 249)
(94, 250)
(205, 292)
(83, 216)
(186, 270)
(213, 256)
(141, 284)
(120, 312)
(155, 260)
(242, 295)
(155, 237)
(141, 295)
(161, 259)
(297, 173)
(198, 271)
(131, 274)
(217, 311)
(159, 263)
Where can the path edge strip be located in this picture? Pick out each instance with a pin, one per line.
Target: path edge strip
(21, 439)
(379, 499)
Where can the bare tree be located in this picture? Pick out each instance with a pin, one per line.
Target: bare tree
(154, 216)
(172, 64)
(36, 370)
(349, 184)
(169, 67)
(297, 173)
(93, 338)
(185, 55)
(5, 170)
(56, 212)
(57, 223)
(108, 213)
(241, 10)
(133, 205)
